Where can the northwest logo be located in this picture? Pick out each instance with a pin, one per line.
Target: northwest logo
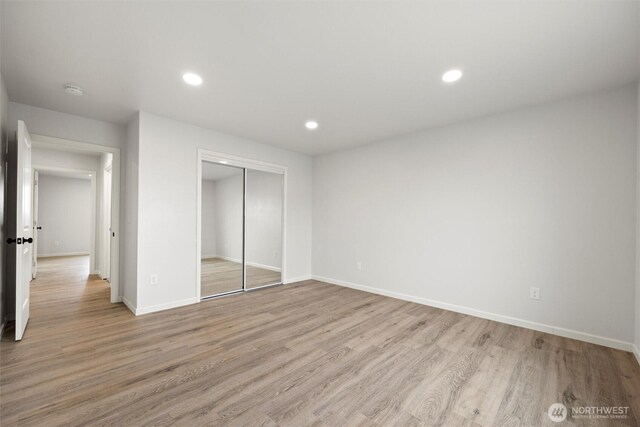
(557, 412)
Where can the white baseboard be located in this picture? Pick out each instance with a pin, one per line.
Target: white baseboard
(550, 329)
(264, 266)
(63, 254)
(239, 261)
(129, 305)
(636, 353)
(165, 306)
(226, 258)
(297, 279)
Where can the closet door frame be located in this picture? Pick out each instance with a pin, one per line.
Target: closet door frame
(224, 159)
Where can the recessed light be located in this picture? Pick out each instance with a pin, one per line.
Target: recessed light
(73, 90)
(452, 76)
(192, 79)
(311, 125)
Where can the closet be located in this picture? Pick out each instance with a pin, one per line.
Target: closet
(241, 213)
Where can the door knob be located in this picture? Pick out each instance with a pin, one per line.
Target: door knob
(25, 240)
(17, 241)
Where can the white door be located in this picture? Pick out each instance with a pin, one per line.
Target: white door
(24, 231)
(36, 227)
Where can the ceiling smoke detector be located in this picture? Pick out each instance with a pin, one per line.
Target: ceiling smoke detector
(73, 90)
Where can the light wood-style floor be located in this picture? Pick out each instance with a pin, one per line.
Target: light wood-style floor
(219, 275)
(304, 354)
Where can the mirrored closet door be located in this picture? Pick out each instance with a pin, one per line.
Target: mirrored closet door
(241, 228)
(263, 230)
(222, 207)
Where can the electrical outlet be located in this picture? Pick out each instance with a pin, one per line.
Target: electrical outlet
(153, 279)
(359, 265)
(534, 293)
(56, 243)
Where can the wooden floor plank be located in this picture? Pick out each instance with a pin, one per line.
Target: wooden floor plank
(302, 354)
(220, 275)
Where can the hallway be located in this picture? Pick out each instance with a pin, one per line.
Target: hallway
(63, 288)
(64, 279)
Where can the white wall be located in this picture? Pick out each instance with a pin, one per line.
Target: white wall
(475, 213)
(64, 159)
(46, 158)
(60, 125)
(129, 230)
(64, 213)
(167, 178)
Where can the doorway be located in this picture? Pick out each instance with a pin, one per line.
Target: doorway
(64, 155)
(241, 213)
(64, 214)
(31, 159)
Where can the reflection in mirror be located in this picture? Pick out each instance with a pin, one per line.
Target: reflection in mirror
(264, 200)
(221, 215)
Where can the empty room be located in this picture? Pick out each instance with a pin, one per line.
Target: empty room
(322, 213)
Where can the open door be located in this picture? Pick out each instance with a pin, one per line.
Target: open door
(22, 238)
(36, 227)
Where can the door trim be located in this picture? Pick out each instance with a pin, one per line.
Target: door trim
(246, 163)
(105, 234)
(34, 220)
(53, 143)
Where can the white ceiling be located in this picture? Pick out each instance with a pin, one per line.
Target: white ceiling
(364, 70)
